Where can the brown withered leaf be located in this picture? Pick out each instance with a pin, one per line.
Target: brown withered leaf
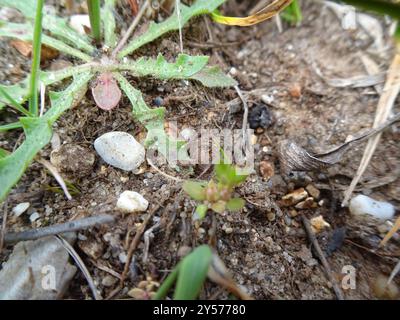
(25, 48)
(295, 158)
(106, 93)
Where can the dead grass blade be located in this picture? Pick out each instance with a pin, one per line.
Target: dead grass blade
(384, 108)
(296, 158)
(81, 266)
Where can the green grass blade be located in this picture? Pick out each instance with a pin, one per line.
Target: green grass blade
(192, 273)
(167, 284)
(94, 14)
(10, 126)
(37, 44)
(110, 38)
(156, 30)
(38, 133)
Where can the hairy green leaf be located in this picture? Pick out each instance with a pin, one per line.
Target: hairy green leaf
(10, 126)
(214, 77)
(56, 25)
(153, 120)
(110, 38)
(3, 153)
(184, 67)
(19, 92)
(38, 133)
(156, 30)
(195, 189)
(23, 31)
(192, 273)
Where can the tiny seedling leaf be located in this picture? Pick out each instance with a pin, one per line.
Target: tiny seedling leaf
(192, 273)
(219, 206)
(195, 189)
(201, 211)
(235, 204)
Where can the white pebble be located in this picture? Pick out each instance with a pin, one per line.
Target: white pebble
(131, 201)
(361, 205)
(188, 133)
(20, 208)
(120, 150)
(78, 22)
(34, 216)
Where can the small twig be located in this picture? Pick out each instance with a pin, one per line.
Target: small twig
(42, 98)
(321, 256)
(245, 118)
(81, 266)
(132, 247)
(4, 225)
(161, 172)
(131, 28)
(178, 13)
(76, 225)
(384, 108)
(147, 236)
(53, 170)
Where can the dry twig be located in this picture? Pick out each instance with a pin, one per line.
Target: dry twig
(321, 256)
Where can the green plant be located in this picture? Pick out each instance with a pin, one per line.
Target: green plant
(189, 274)
(216, 194)
(38, 130)
(292, 13)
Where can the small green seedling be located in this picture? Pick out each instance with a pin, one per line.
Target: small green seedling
(189, 274)
(292, 13)
(216, 194)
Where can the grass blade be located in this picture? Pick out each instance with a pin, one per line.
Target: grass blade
(37, 44)
(192, 273)
(94, 15)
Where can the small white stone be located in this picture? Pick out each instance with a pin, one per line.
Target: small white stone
(34, 216)
(131, 201)
(187, 133)
(79, 21)
(122, 257)
(120, 150)
(20, 208)
(363, 205)
(268, 99)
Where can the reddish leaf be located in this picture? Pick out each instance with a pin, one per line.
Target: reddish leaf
(106, 93)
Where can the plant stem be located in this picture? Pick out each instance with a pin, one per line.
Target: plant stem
(94, 15)
(14, 104)
(37, 41)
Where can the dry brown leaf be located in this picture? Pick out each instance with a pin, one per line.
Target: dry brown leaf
(296, 158)
(264, 14)
(25, 48)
